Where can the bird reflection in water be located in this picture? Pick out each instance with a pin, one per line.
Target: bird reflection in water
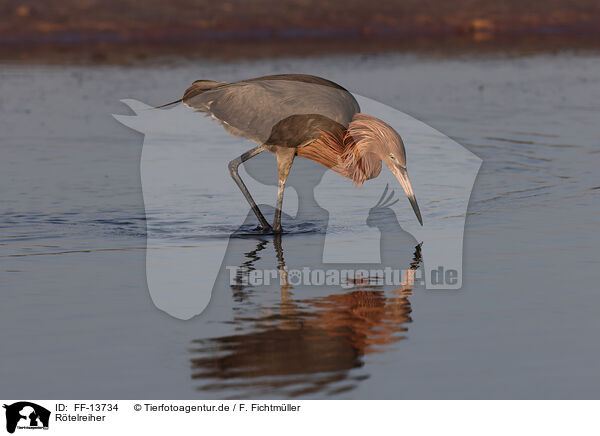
(306, 345)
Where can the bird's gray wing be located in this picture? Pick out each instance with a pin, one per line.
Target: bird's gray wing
(306, 78)
(251, 109)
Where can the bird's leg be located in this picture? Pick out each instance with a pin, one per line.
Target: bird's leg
(233, 170)
(285, 158)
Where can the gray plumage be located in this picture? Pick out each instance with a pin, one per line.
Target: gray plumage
(266, 108)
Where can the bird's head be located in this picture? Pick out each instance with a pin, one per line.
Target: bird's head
(377, 141)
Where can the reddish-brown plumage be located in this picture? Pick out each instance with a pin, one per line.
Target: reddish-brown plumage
(356, 152)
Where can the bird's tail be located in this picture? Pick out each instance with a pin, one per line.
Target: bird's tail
(198, 87)
(169, 104)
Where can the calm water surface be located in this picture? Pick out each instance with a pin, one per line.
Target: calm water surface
(77, 320)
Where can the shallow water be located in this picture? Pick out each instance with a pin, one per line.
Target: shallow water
(78, 322)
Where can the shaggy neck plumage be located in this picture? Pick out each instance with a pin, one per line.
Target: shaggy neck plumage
(348, 152)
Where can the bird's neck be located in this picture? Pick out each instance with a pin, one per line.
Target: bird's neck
(359, 164)
(339, 152)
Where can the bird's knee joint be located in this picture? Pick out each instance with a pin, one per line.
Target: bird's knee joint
(233, 166)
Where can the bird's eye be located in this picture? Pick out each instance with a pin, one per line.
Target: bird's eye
(392, 156)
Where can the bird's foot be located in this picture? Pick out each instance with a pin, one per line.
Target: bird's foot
(264, 228)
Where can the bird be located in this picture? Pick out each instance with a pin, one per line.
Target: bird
(305, 116)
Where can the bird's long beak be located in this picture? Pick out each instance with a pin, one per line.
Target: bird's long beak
(402, 176)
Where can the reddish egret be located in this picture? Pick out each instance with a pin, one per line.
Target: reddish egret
(306, 116)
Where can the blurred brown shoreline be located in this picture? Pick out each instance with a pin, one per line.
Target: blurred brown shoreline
(109, 31)
(227, 50)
